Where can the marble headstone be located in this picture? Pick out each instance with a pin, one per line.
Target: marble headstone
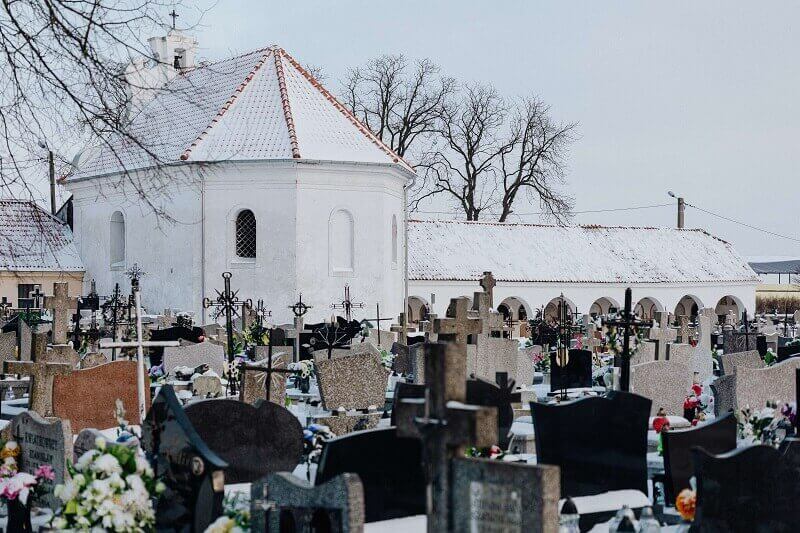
(43, 441)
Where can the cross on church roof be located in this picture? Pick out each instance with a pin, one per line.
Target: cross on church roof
(174, 16)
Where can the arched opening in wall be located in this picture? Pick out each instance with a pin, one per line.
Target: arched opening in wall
(551, 309)
(117, 241)
(514, 307)
(647, 307)
(690, 306)
(604, 306)
(394, 239)
(246, 241)
(728, 304)
(418, 310)
(504, 310)
(341, 247)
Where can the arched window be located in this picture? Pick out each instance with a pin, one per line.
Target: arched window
(246, 234)
(117, 240)
(394, 239)
(340, 241)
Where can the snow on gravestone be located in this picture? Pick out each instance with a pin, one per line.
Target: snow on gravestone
(195, 355)
(87, 397)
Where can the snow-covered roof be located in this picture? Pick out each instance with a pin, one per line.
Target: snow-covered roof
(257, 106)
(32, 240)
(458, 250)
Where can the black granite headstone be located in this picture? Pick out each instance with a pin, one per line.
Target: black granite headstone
(761, 345)
(786, 352)
(748, 489)
(193, 474)
(390, 468)
(576, 374)
(175, 333)
(283, 503)
(599, 442)
(718, 436)
(735, 342)
(254, 441)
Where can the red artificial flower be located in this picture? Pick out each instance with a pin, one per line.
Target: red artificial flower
(660, 423)
(697, 389)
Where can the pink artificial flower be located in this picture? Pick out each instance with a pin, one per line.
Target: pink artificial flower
(45, 472)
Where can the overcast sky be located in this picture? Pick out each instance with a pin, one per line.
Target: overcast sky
(696, 97)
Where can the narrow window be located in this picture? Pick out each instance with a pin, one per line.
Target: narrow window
(117, 240)
(340, 241)
(246, 234)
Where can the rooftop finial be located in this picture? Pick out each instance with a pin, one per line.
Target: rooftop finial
(174, 16)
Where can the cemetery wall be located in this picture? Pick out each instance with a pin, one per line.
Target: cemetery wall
(583, 295)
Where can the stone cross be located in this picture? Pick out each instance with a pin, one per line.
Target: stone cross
(457, 327)
(488, 283)
(62, 306)
(41, 374)
(662, 334)
(445, 425)
(683, 328)
(592, 342)
(140, 345)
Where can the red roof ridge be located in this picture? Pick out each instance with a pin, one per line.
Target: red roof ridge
(231, 100)
(287, 107)
(342, 109)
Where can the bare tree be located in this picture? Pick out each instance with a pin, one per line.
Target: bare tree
(64, 84)
(463, 165)
(491, 151)
(397, 101)
(532, 160)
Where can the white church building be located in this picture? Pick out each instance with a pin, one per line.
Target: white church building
(254, 168)
(249, 166)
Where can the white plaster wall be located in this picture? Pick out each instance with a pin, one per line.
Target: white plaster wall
(535, 295)
(169, 251)
(269, 190)
(372, 194)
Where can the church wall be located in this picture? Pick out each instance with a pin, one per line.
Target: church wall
(371, 196)
(167, 250)
(268, 190)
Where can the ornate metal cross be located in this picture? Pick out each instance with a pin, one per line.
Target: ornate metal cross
(347, 304)
(114, 310)
(136, 274)
(262, 313)
(629, 323)
(378, 319)
(227, 302)
(300, 308)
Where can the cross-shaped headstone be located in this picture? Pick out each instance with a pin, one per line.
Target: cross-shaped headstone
(5, 305)
(592, 342)
(140, 344)
(41, 374)
(276, 338)
(662, 334)
(36, 297)
(488, 284)
(444, 427)
(378, 319)
(683, 328)
(457, 327)
(62, 306)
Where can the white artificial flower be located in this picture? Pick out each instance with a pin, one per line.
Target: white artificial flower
(85, 460)
(143, 467)
(106, 464)
(100, 443)
(67, 491)
(220, 525)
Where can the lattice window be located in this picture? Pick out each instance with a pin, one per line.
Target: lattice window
(246, 234)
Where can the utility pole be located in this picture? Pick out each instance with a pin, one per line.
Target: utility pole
(681, 209)
(52, 169)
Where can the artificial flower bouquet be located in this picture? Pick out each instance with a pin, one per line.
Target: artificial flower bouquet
(768, 425)
(235, 515)
(304, 369)
(387, 359)
(16, 486)
(699, 404)
(111, 487)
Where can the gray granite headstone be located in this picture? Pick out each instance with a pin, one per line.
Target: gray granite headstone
(43, 441)
(8, 346)
(195, 355)
(25, 341)
(724, 388)
(756, 386)
(666, 383)
(340, 500)
(494, 496)
(352, 382)
(93, 359)
(733, 361)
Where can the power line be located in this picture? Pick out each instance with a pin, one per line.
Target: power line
(762, 230)
(543, 212)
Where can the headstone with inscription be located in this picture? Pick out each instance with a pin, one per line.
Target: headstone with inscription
(498, 497)
(43, 441)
